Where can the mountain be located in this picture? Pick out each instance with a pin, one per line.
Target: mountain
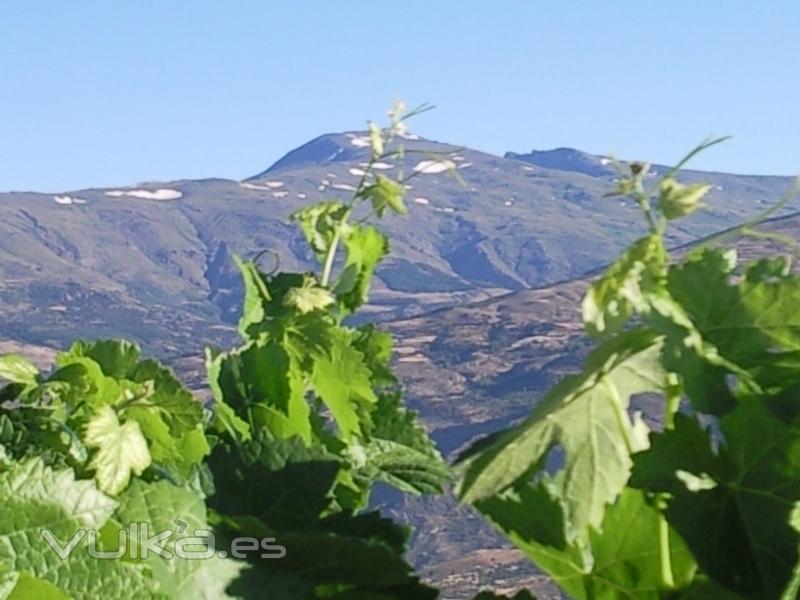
(153, 261)
(481, 291)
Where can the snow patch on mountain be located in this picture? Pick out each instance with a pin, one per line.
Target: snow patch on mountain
(68, 200)
(380, 166)
(160, 194)
(361, 141)
(431, 167)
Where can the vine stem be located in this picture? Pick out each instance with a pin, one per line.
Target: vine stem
(672, 406)
(619, 412)
(386, 138)
(667, 577)
(328, 268)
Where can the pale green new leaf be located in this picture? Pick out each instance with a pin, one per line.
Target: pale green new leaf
(175, 453)
(308, 297)
(585, 416)
(121, 450)
(385, 193)
(677, 200)
(16, 369)
(375, 139)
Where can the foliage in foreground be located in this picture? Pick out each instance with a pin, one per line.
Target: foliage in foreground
(707, 505)
(267, 496)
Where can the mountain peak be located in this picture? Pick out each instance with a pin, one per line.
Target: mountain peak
(327, 148)
(567, 159)
(342, 147)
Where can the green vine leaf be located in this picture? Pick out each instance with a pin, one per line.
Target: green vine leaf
(180, 511)
(343, 381)
(585, 416)
(365, 247)
(677, 200)
(622, 290)
(35, 498)
(319, 224)
(116, 358)
(308, 297)
(16, 369)
(620, 559)
(747, 320)
(385, 193)
(121, 450)
(255, 295)
(399, 451)
(744, 513)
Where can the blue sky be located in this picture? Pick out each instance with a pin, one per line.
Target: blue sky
(110, 93)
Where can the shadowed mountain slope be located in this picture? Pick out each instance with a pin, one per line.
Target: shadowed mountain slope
(505, 254)
(153, 261)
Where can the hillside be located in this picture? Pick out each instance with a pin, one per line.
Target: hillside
(481, 292)
(153, 262)
(475, 367)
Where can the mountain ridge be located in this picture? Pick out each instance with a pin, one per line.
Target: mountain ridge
(106, 260)
(506, 259)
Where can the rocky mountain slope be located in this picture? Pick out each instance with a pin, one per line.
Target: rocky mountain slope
(504, 256)
(153, 261)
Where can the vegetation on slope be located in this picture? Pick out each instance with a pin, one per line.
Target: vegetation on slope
(266, 497)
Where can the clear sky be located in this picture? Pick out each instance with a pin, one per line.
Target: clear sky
(98, 93)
